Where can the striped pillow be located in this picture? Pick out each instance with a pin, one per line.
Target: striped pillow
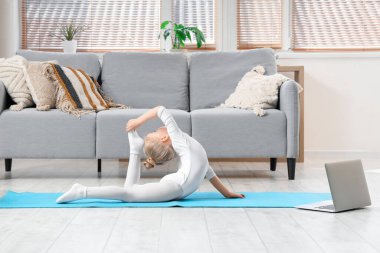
(77, 91)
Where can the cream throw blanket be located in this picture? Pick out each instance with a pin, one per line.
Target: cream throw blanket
(257, 92)
(13, 73)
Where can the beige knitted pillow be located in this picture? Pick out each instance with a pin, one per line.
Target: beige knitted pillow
(256, 92)
(41, 87)
(15, 78)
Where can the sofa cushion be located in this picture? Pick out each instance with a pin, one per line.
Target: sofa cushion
(111, 138)
(145, 80)
(237, 133)
(48, 134)
(215, 75)
(87, 61)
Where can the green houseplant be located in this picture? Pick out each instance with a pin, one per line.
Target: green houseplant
(179, 33)
(67, 33)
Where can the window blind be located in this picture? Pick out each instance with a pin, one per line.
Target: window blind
(200, 13)
(111, 24)
(258, 23)
(334, 25)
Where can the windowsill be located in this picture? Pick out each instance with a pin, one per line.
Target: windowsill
(282, 54)
(306, 55)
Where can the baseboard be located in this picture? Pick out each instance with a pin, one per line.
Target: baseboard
(344, 154)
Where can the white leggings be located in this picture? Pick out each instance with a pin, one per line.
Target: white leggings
(133, 192)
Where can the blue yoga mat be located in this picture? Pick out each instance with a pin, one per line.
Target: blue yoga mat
(198, 199)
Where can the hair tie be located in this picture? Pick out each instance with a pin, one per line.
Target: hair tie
(151, 161)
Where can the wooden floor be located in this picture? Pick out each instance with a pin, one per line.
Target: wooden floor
(182, 230)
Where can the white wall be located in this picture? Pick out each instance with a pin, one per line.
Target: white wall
(9, 27)
(342, 100)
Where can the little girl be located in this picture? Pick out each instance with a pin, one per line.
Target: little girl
(159, 147)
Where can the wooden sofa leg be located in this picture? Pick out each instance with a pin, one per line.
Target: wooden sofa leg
(8, 164)
(273, 163)
(291, 168)
(99, 165)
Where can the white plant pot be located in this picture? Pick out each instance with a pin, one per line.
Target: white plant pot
(168, 44)
(69, 46)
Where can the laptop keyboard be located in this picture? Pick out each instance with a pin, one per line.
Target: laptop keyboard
(328, 207)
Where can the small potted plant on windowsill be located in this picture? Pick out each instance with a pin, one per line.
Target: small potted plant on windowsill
(175, 35)
(67, 33)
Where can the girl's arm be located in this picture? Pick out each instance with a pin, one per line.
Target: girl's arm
(135, 123)
(215, 181)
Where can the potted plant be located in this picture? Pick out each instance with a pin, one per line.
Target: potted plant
(177, 34)
(67, 34)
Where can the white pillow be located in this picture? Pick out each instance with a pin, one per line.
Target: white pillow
(13, 73)
(256, 92)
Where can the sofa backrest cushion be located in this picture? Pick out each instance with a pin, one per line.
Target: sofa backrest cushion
(145, 80)
(215, 75)
(87, 61)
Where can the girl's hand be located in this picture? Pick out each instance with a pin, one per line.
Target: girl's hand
(235, 195)
(132, 124)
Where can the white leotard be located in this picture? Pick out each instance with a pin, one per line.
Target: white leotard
(193, 168)
(194, 165)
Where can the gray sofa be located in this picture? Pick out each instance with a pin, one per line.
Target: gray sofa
(190, 86)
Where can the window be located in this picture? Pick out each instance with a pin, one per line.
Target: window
(200, 13)
(258, 23)
(336, 25)
(112, 24)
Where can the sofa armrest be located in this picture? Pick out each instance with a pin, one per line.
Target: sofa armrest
(289, 104)
(3, 97)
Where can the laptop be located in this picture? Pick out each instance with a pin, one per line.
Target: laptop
(348, 188)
